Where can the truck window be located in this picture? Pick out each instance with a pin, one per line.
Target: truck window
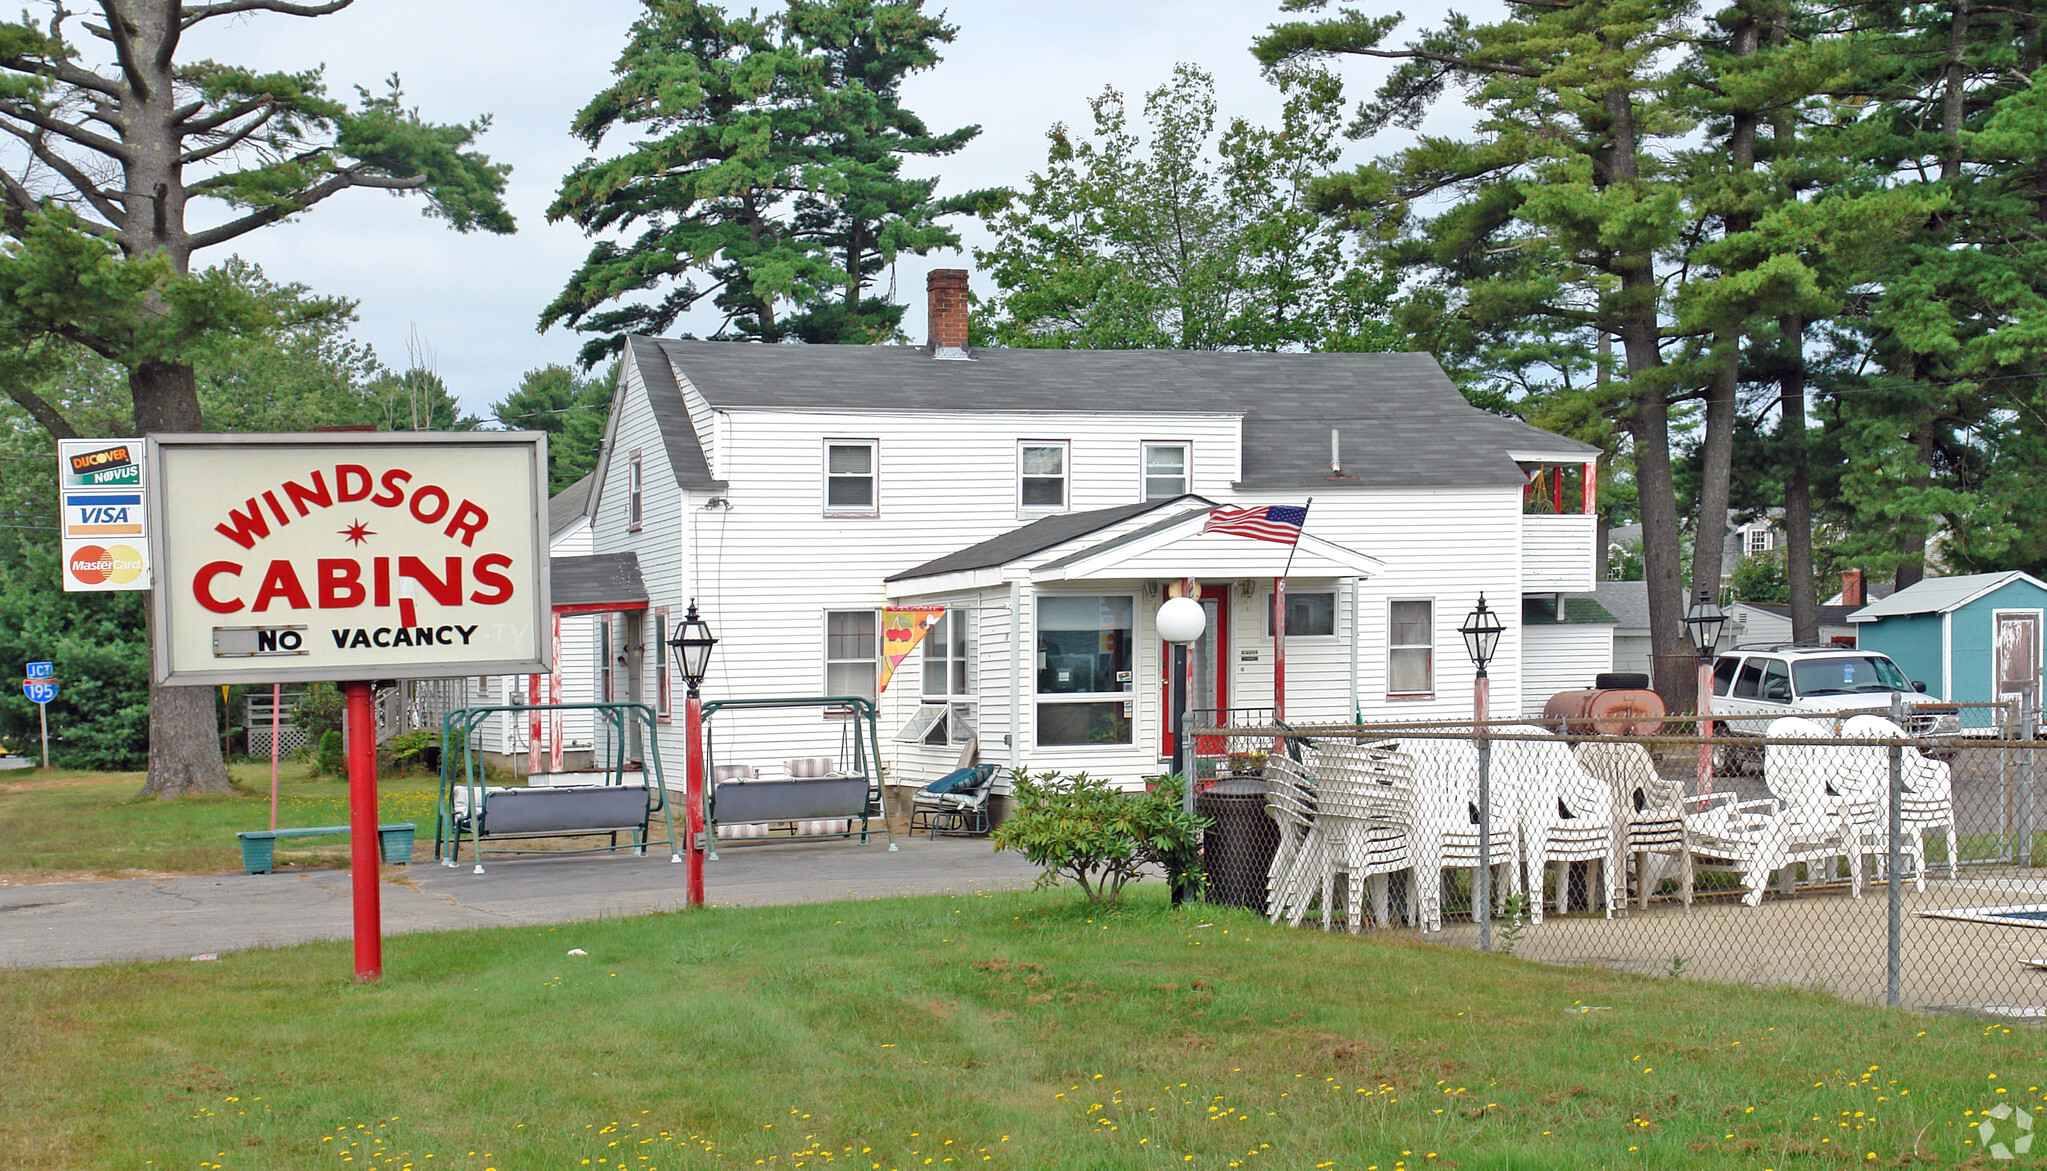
(1749, 684)
(1723, 674)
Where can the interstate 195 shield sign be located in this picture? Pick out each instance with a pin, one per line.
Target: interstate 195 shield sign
(349, 556)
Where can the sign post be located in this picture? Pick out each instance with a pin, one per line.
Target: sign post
(41, 687)
(311, 557)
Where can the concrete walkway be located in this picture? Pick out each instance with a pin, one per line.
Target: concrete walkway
(71, 924)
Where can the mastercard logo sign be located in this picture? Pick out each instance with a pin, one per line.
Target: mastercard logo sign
(114, 564)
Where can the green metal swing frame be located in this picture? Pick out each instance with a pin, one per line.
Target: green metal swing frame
(861, 710)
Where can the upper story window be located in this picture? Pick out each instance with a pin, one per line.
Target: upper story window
(1411, 648)
(850, 477)
(1041, 475)
(634, 498)
(1759, 541)
(1165, 471)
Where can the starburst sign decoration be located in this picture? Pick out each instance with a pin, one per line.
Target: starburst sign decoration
(356, 532)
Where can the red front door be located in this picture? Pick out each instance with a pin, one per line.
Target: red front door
(1208, 660)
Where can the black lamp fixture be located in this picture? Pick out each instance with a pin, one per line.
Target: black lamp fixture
(1703, 622)
(692, 645)
(1481, 631)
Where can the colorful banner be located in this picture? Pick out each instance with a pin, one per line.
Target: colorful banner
(902, 628)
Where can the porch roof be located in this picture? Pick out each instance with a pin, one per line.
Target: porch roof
(598, 583)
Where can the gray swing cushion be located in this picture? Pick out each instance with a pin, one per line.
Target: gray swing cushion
(544, 810)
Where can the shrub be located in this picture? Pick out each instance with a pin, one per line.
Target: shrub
(419, 748)
(327, 754)
(1078, 827)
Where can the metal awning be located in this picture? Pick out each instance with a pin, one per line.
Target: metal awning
(597, 583)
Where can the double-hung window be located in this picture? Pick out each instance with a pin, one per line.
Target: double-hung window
(946, 717)
(662, 710)
(851, 477)
(1165, 471)
(850, 652)
(634, 496)
(1041, 476)
(1411, 648)
(1084, 669)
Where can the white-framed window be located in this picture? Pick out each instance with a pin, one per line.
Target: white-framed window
(1759, 540)
(1085, 694)
(662, 697)
(852, 479)
(1411, 647)
(950, 681)
(1311, 614)
(634, 499)
(1041, 475)
(1166, 471)
(851, 652)
(606, 671)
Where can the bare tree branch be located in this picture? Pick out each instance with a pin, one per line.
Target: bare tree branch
(227, 142)
(122, 38)
(193, 14)
(270, 215)
(219, 118)
(103, 202)
(71, 130)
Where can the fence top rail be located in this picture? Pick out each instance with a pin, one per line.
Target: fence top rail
(1498, 730)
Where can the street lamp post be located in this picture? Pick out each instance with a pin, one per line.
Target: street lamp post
(1181, 621)
(1481, 631)
(1702, 626)
(692, 645)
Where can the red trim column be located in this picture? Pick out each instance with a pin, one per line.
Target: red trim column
(1278, 648)
(1706, 727)
(362, 832)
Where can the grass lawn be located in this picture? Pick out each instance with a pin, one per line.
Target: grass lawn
(1002, 1031)
(61, 824)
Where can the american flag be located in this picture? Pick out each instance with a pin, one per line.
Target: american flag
(1280, 523)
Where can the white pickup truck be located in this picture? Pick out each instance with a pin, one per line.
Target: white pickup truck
(1754, 685)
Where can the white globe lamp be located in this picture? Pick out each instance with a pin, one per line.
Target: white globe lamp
(1181, 620)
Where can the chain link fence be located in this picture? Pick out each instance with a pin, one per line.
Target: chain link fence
(1842, 854)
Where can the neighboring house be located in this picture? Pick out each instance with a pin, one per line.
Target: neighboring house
(1746, 538)
(1051, 500)
(1628, 602)
(1971, 639)
(1566, 644)
(576, 678)
(1769, 624)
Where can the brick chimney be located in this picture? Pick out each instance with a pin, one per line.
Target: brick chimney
(946, 289)
(1851, 588)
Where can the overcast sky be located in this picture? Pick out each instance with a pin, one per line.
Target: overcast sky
(1016, 67)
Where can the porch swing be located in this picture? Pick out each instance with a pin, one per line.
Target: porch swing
(815, 798)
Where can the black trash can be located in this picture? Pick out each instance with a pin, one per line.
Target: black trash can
(1237, 848)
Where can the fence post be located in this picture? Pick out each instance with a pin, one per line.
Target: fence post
(1895, 929)
(2029, 719)
(2007, 729)
(1482, 894)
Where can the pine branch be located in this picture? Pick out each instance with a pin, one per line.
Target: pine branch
(102, 201)
(261, 217)
(193, 14)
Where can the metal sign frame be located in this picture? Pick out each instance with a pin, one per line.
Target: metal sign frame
(167, 603)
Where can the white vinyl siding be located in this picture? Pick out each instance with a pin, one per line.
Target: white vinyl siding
(1562, 657)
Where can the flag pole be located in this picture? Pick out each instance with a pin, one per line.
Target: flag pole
(1279, 621)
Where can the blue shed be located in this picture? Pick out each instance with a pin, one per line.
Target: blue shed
(1970, 639)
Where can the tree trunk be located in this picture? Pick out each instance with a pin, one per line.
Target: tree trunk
(1798, 567)
(1913, 534)
(184, 745)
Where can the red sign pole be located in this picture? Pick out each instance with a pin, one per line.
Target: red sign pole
(693, 796)
(362, 832)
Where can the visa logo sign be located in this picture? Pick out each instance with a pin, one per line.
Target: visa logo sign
(102, 514)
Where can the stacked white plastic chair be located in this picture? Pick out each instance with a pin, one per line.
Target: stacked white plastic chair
(1800, 822)
(1299, 864)
(1648, 818)
(1446, 823)
(1564, 815)
(1927, 803)
(1365, 804)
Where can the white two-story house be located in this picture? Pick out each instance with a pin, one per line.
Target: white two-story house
(1050, 501)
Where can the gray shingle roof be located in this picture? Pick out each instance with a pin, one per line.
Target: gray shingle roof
(1403, 424)
(1627, 601)
(597, 580)
(1938, 595)
(1579, 610)
(1035, 537)
(1828, 615)
(671, 414)
(567, 506)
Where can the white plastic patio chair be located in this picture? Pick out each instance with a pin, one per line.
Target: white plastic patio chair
(1446, 823)
(1927, 803)
(1365, 804)
(1800, 822)
(1564, 813)
(1648, 818)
